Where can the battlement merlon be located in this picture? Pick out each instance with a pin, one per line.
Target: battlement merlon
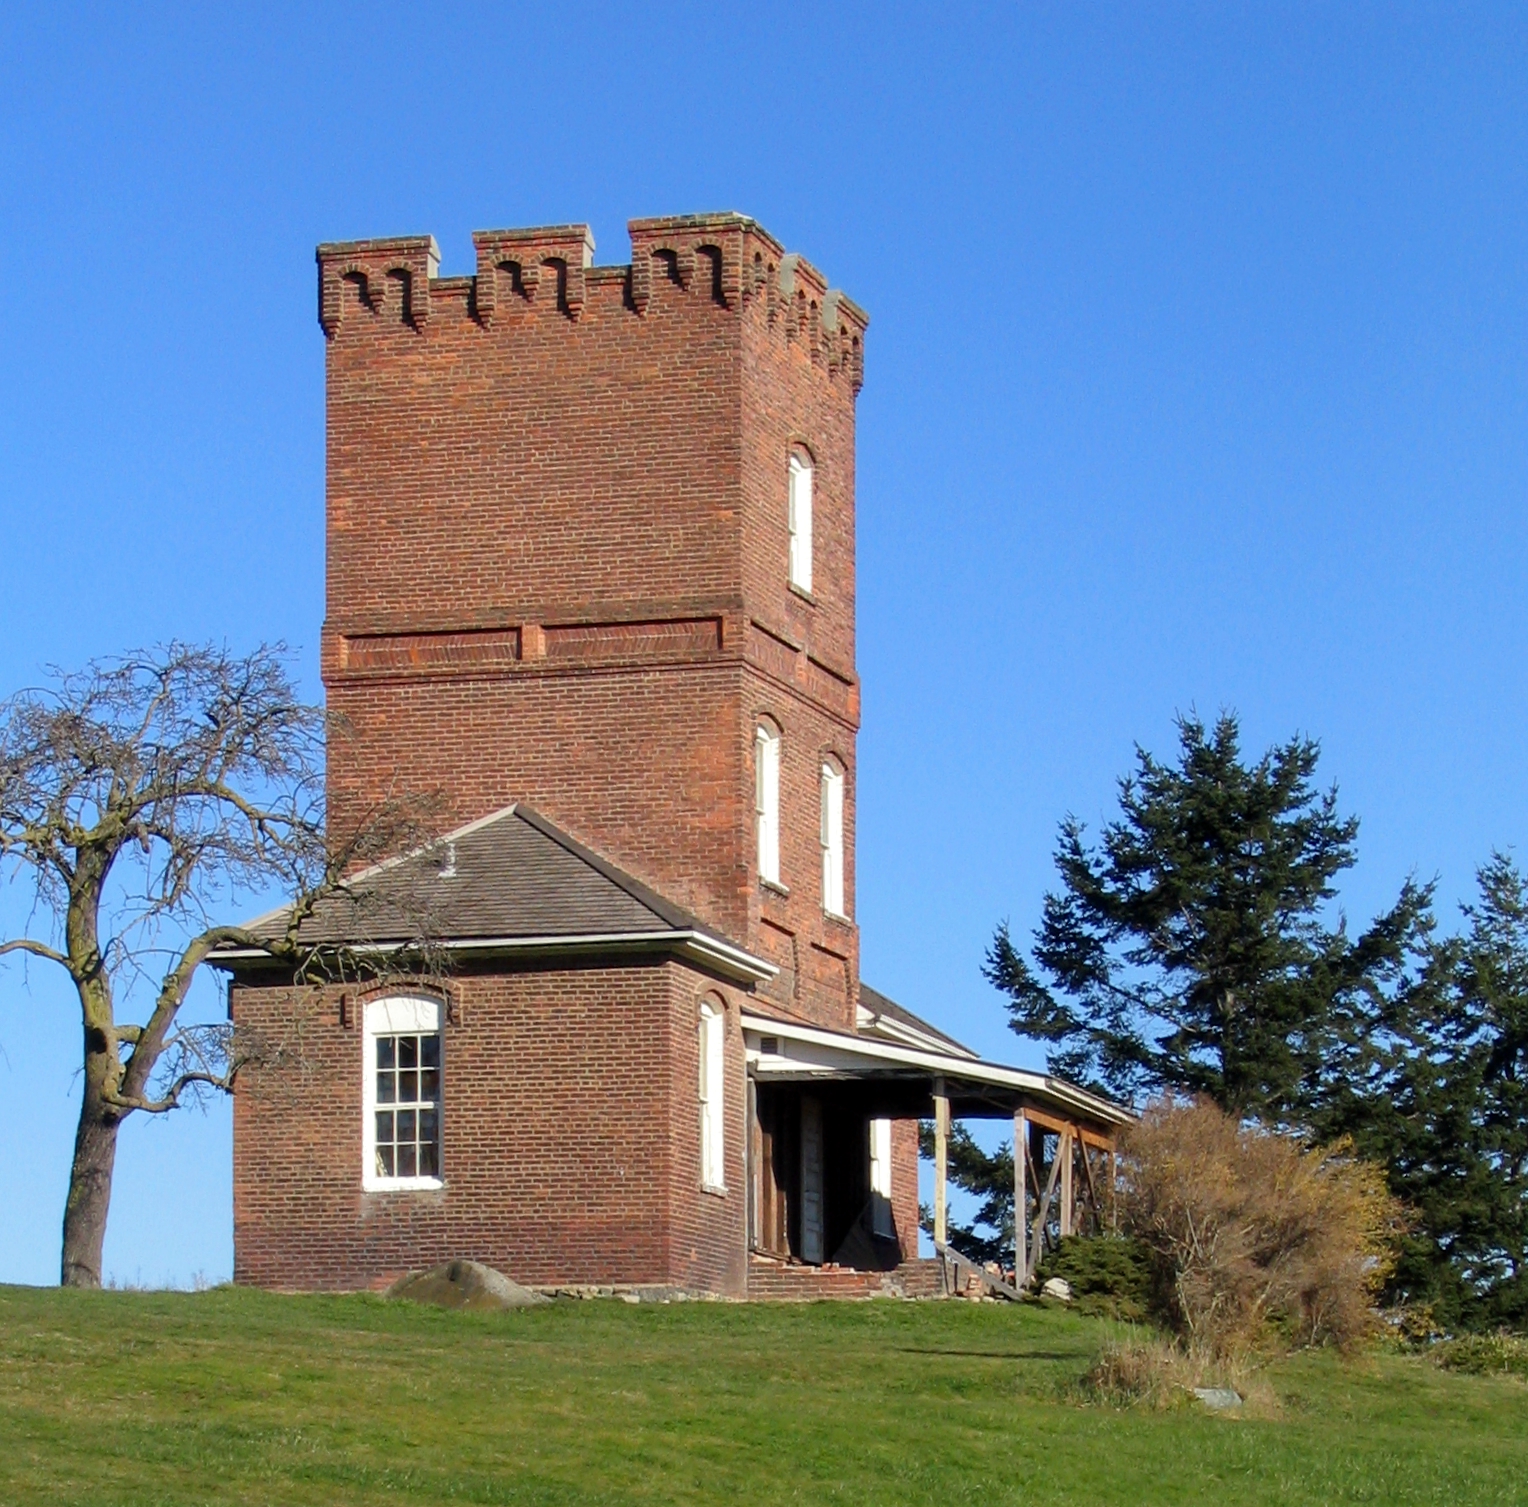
(728, 258)
(391, 274)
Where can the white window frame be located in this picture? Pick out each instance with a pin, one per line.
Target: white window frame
(831, 835)
(713, 1096)
(766, 801)
(798, 511)
(397, 1015)
(880, 1178)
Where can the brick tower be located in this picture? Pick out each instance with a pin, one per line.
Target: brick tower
(572, 561)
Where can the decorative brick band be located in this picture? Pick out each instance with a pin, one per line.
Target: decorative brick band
(473, 651)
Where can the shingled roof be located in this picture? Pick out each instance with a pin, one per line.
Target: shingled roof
(510, 882)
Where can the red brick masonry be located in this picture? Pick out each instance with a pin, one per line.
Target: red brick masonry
(557, 573)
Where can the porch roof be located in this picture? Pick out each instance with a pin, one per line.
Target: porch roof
(975, 1089)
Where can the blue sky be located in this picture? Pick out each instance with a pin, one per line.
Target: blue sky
(1195, 378)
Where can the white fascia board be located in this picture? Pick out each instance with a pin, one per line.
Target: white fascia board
(840, 1053)
(884, 1025)
(697, 946)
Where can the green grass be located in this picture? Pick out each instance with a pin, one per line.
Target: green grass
(229, 1396)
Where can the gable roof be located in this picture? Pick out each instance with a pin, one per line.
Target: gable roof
(510, 882)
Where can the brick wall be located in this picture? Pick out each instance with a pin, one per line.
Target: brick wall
(558, 553)
(904, 1184)
(570, 1139)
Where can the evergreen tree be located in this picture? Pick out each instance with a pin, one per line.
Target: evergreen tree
(989, 1236)
(1434, 1084)
(1191, 950)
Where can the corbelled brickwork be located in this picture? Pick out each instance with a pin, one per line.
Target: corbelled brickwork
(570, 1138)
(558, 554)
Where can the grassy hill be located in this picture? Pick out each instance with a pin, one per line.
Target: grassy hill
(120, 1399)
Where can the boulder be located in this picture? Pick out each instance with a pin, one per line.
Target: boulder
(464, 1284)
(1218, 1399)
(1057, 1287)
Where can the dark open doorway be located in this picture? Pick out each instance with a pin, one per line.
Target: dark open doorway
(812, 1197)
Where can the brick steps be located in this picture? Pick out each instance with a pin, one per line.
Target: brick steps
(778, 1282)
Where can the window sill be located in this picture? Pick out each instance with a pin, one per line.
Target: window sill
(803, 592)
(774, 887)
(402, 1184)
(838, 916)
(716, 1190)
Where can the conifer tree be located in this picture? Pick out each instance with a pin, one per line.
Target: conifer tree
(1194, 949)
(1433, 1082)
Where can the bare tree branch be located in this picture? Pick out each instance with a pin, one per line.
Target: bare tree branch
(37, 949)
(141, 796)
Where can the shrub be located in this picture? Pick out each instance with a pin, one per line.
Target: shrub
(1149, 1373)
(1110, 1275)
(1251, 1231)
(1158, 1373)
(1500, 1354)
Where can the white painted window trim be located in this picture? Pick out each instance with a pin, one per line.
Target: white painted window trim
(766, 802)
(831, 835)
(713, 1097)
(880, 1177)
(396, 1015)
(799, 521)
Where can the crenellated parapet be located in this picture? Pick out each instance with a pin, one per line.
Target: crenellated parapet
(387, 279)
(546, 265)
(735, 262)
(727, 260)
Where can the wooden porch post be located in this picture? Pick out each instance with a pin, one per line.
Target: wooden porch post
(941, 1161)
(1065, 1151)
(1020, 1224)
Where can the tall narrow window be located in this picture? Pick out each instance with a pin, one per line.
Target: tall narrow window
(799, 510)
(401, 1094)
(766, 801)
(880, 1178)
(832, 840)
(713, 1123)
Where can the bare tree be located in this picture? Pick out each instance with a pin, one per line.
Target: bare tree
(134, 796)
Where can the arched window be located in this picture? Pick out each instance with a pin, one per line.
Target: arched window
(832, 837)
(766, 800)
(713, 1122)
(401, 1094)
(799, 515)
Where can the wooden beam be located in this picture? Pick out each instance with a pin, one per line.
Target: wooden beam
(941, 1162)
(1020, 1147)
(1098, 1139)
(1037, 1242)
(1064, 1153)
(1087, 1171)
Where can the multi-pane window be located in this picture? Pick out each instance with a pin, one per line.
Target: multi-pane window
(713, 1125)
(766, 801)
(832, 838)
(799, 517)
(408, 1106)
(402, 1094)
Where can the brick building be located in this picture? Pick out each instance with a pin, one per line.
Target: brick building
(591, 579)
